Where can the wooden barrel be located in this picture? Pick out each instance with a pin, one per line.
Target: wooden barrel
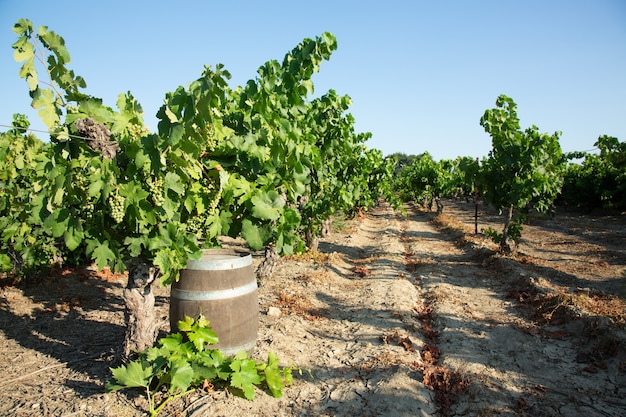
(221, 285)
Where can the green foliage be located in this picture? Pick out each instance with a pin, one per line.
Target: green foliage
(425, 180)
(240, 162)
(599, 181)
(26, 244)
(96, 191)
(183, 362)
(513, 231)
(464, 176)
(523, 167)
(344, 173)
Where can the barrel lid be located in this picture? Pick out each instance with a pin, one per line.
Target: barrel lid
(220, 259)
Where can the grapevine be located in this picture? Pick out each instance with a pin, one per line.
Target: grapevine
(268, 136)
(524, 167)
(222, 162)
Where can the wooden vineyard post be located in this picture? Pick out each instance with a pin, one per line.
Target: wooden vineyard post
(476, 205)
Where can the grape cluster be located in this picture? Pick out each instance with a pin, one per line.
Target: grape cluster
(215, 199)
(88, 209)
(156, 191)
(81, 195)
(194, 224)
(209, 134)
(211, 137)
(136, 131)
(116, 202)
(197, 223)
(214, 189)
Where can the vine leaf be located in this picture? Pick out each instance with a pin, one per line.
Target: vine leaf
(135, 374)
(244, 375)
(253, 234)
(171, 342)
(198, 331)
(103, 255)
(74, 234)
(181, 374)
(273, 375)
(201, 336)
(55, 43)
(43, 100)
(266, 206)
(5, 262)
(173, 182)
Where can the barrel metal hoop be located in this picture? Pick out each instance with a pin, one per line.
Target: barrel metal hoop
(233, 350)
(213, 295)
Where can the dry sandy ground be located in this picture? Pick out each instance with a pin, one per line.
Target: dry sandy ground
(395, 316)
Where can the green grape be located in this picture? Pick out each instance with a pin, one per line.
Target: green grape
(89, 209)
(211, 137)
(214, 202)
(207, 132)
(81, 195)
(197, 223)
(116, 203)
(156, 191)
(214, 188)
(194, 224)
(137, 131)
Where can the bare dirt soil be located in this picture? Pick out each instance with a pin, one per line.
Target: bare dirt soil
(394, 316)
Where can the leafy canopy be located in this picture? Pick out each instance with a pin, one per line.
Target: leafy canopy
(523, 167)
(261, 161)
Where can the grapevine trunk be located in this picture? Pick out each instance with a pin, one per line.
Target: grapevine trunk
(140, 316)
(266, 267)
(504, 246)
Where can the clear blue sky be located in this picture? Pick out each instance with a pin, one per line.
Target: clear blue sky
(420, 73)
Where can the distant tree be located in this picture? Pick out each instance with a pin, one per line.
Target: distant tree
(523, 168)
(402, 160)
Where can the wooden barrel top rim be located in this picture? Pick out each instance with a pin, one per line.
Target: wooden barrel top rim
(219, 262)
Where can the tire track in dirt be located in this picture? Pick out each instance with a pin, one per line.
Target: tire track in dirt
(367, 300)
(515, 365)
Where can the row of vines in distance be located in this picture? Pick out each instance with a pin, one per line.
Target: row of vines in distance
(524, 169)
